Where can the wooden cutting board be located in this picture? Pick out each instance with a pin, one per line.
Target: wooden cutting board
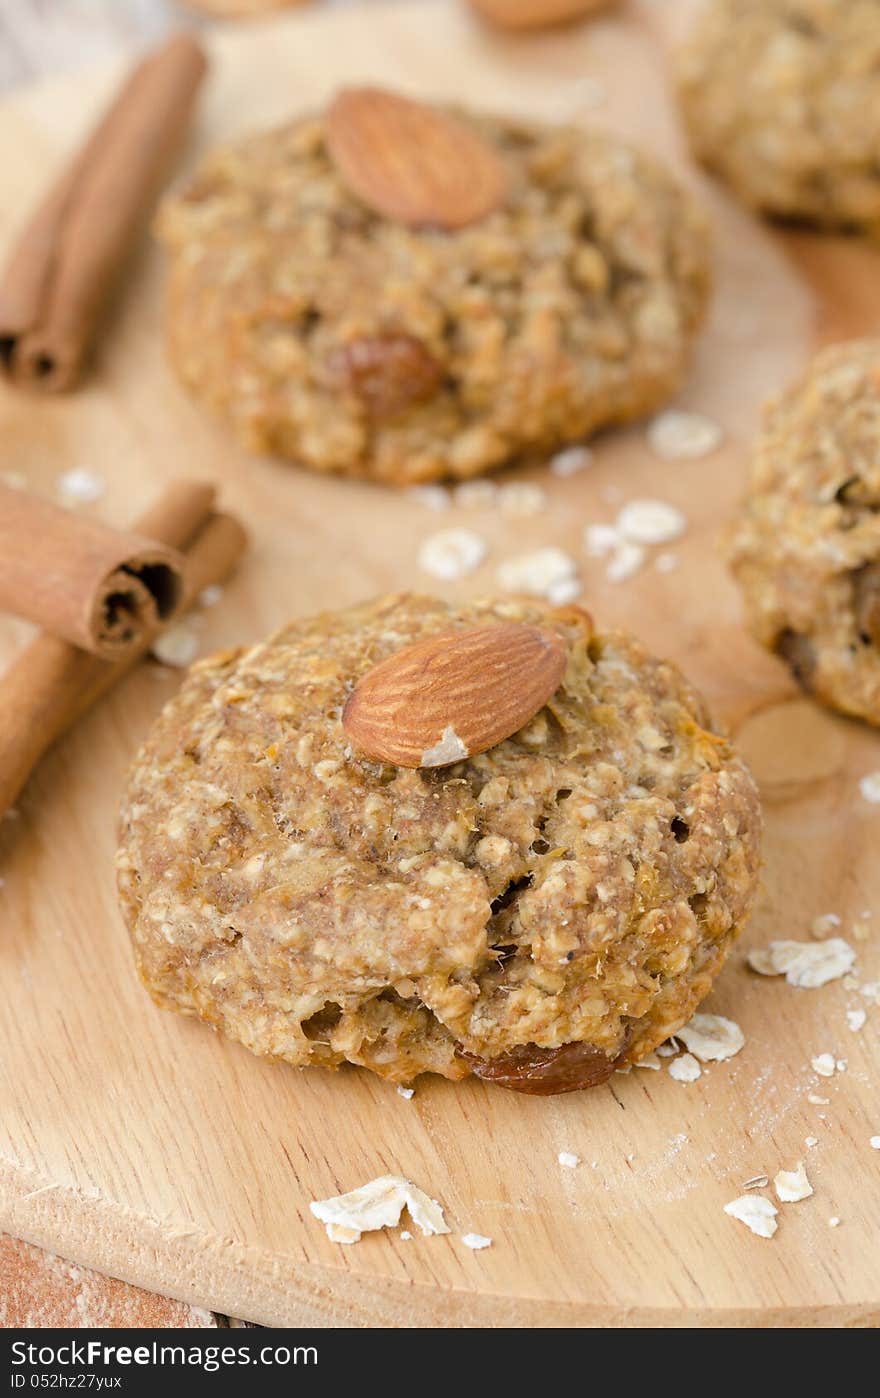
(146, 1146)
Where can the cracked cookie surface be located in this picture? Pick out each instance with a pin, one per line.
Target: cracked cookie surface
(579, 884)
(349, 343)
(806, 550)
(782, 99)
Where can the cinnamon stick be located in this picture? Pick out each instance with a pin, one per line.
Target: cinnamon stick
(65, 265)
(52, 684)
(97, 587)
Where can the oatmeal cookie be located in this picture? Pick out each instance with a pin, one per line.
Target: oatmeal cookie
(350, 343)
(537, 914)
(806, 551)
(782, 99)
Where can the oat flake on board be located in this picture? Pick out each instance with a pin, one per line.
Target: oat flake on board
(804, 964)
(378, 1204)
(712, 1038)
(756, 1211)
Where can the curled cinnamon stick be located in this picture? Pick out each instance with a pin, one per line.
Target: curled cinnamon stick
(63, 269)
(99, 588)
(52, 684)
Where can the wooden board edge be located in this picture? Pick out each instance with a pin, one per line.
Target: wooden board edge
(106, 1238)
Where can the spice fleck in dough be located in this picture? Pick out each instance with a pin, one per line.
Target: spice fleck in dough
(350, 343)
(579, 884)
(782, 99)
(806, 550)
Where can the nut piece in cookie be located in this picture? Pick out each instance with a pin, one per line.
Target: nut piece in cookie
(806, 549)
(396, 291)
(782, 99)
(535, 913)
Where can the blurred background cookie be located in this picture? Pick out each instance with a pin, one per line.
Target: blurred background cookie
(346, 300)
(806, 551)
(781, 98)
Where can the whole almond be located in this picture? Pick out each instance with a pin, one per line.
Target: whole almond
(452, 696)
(535, 14)
(412, 163)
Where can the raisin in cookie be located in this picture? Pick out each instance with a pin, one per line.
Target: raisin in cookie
(351, 343)
(782, 99)
(537, 914)
(806, 551)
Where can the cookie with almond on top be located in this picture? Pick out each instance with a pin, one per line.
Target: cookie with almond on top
(423, 838)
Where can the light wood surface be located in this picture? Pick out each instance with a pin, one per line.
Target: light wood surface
(150, 1148)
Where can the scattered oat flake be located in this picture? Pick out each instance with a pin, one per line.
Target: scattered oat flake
(535, 573)
(406, 1092)
(666, 562)
(679, 436)
(817, 1101)
(570, 461)
(650, 1060)
(823, 1064)
(451, 554)
(756, 1211)
(757, 1182)
(568, 1159)
(475, 495)
(684, 1069)
(667, 1049)
(650, 522)
(804, 964)
(433, 497)
(712, 1038)
(870, 787)
(378, 1204)
(565, 591)
(475, 1241)
(626, 560)
(81, 487)
(822, 927)
(177, 645)
(792, 1185)
(520, 498)
(600, 540)
(856, 1020)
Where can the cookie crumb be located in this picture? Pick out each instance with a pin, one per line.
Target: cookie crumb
(81, 487)
(834, 1221)
(650, 1060)
(685, 1069)
(874, 1142)
(823, 1064)
(804, 964)
(756, 1211)
(600, 540)
(451, 554)
(571, 460)
(817, 1101)
(678, 436)
(650, 522)
(407, 1092)
(668, 1049)
(476, 1241)
(712, 1038)
(856, 1020)
(811, 1142)
(568, 1159)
